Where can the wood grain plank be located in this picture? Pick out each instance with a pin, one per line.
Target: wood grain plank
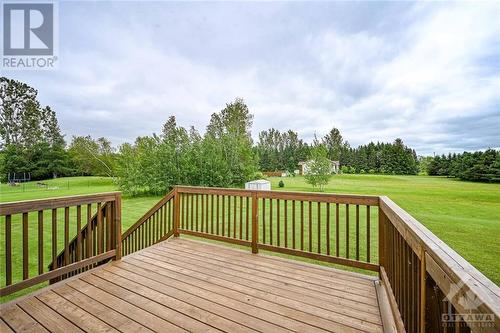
(136, 313)
(110, 316)
(76, 315)
(20, 321)
(47, 317)
(295, 310)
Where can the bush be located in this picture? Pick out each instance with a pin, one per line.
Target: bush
(281, 184)
(362, 171)
(371, 171)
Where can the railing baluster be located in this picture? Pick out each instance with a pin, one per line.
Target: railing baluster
(247, 208)
(357, 232)
(278, 221)
(328, 228)
(347, 230)
(240, 236)
(25, 246)
(192, 211)
(234, 217)
(78, 233)
(8, 250)
(337, 229)
(286, 223)
(293, 224)
(255, 222)
(212, 213)
(310, 226)
(218, 214)
(196, 218)
(66, 236)
(40, 242)
(223, 215)
(89, 231)
(271, 221)
(318, 205)
(99, 229)
(54, 238)
(302, 225)
(368, 235)
(108, 226)
(202, 222)
(206, 213)
(263, 220)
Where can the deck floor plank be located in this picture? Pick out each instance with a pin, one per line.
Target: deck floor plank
(20, 321)
(364, 295)
(47, 317)
(316, 274)
(332, 303)
(4, 328)
(99, 310)
(134, 312)
(182, 285)
(157, 281)
(73, 313)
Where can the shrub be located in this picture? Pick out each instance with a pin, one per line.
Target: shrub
(281, 184)
(362, 171)
(371, 171)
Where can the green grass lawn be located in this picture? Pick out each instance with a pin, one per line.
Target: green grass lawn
(465, 215)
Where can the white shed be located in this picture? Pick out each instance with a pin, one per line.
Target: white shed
(259, 184)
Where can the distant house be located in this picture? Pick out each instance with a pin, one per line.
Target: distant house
(304, 167)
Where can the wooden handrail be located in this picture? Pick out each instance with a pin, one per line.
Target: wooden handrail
(445, 269)
(78, 253)
(16, 207)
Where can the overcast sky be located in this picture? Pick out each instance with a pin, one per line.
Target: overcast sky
(428, 73)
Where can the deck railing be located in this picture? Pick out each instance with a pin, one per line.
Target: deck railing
(97, 237)
(154, 226)
(429, 286)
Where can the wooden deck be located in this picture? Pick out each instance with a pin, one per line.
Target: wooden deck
(186, 285)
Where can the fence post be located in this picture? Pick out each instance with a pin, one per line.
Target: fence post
(118, 224)
(255, 222)
(177, 211)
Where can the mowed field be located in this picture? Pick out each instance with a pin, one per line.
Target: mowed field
(465, 215)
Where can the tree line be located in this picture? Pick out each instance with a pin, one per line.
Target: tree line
(477, 166)
(284, 150)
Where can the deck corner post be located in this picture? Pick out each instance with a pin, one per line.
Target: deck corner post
(255, 222)
(118, 225)
(177, 211)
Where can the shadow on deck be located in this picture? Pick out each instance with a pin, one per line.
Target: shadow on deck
(187, 285)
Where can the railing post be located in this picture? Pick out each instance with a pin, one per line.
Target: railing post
(255, 222)
(177, 210)
(117, 214)
(382, 220)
